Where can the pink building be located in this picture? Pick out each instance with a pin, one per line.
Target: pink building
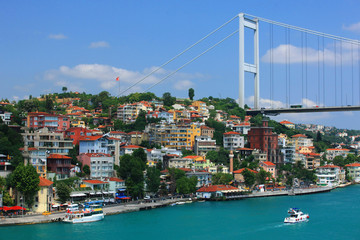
(53, 122)
(269, 167)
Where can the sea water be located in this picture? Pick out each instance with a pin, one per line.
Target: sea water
(333, 215)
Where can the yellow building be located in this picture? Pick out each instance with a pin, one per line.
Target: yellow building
(178, 137)
(201, 107)
(78, 123)
(44, 197)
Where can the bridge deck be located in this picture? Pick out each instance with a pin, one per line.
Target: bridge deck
(277, 111)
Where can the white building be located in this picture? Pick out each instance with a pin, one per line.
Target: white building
(330, 175)
(233, 140)
(204, 144)
(331, 153)
(353, 171)
(5, 117)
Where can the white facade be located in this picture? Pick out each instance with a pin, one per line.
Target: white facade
(330, 175)
(233, 140)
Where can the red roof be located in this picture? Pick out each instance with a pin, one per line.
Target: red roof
(329, 166)
(267, 163)
(299, 136)
(246, 149)
(29, 149)
(94, 181)
(243, 169)
(231, 133)
(58, 156)
(215, 188)
(353, 165)
(117, 132)
(191, 157)
(186, 169)
(135, 132)
(286, 122)
(114, 179)
(44, 182)
(337, 149)
(97, 155)
(90, 138)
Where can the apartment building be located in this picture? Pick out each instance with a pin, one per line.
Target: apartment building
(53, 122)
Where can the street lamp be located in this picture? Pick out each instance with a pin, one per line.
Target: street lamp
(22, 206)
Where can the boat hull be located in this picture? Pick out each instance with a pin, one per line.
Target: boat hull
(85, 219)
(302, 218)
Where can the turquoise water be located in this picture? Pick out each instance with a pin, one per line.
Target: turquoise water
(333, 215)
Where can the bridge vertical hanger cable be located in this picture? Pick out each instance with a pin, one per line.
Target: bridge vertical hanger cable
(306, 72)
(286, 67)
(318, 98)
(323, 68)
(271, 64)
(178, 55)
(341, 74)
(335, 71)
(302, 68)
(289, 66)
(358, 46)
(352, 74)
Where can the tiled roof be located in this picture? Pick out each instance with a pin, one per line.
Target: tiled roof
(243, 169)
(94, 181)
(58, 156)
(29, 149)
(329, 166)
(337, 149)
(44, 182)
(114, 179)
(191, 157)
(353, 165)
(215, 188)
(246, 149)
(186, 169)
(286, 122)
(90, 138)
(299, 136)
(231, 133)
(269, 163)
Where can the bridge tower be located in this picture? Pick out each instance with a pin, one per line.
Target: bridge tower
(247, 67)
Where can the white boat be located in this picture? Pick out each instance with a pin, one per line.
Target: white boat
(180, 203)
(296, 216)
(84, 216)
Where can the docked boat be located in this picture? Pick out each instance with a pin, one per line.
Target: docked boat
(296, 215)
(84, 216)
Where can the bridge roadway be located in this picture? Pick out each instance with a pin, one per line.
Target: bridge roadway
(277, 111)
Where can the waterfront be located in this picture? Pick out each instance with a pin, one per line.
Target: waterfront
(333, 215)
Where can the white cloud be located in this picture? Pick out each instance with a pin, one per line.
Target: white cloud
(57, 36)
(79, 76)
(355, 27)
(101, 44)
(183, 85)
(309, 55)
(265, 103)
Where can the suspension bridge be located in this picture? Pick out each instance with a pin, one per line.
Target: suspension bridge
(301, 70)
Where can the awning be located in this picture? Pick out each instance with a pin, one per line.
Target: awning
(78, 195)
(55, 206)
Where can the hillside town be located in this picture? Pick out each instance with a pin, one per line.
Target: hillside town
(75, 147)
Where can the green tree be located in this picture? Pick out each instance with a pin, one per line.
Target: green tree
(63, 191)
(262, 176)
(153, 179)
(186, 185)
(191, 93)
(140, 153)
(249, 178)
(168, 99)
(64, 89)
(222, 178)
(86, 169)
(339, 161)
(175, 174)
(140, 122)
(49, 105)
(27, 182)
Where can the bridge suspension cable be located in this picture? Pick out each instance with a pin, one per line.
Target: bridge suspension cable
(192, 60)
(178, 55)
(330, 36)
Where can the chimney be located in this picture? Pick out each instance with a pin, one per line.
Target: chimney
(231, 155)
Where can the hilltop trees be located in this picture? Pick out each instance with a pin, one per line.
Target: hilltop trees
(191, 93)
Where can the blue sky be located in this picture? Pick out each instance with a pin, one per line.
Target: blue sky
(85, 45)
